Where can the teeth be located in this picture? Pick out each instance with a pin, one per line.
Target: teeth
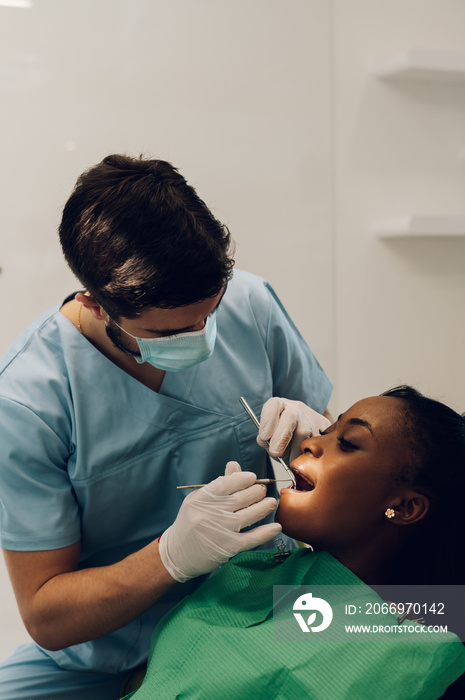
(302, 482)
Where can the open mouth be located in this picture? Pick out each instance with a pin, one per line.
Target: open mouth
(303, 483)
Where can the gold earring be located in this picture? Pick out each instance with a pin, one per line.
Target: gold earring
(389, 513)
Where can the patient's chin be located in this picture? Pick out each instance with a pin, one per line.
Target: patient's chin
(291, 522)
(280, 517)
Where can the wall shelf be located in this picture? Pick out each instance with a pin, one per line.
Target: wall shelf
(425, 64)
(415, 226)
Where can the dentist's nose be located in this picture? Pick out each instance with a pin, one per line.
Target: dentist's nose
(199, 326)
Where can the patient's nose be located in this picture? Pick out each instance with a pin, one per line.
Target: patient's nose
(313, 445)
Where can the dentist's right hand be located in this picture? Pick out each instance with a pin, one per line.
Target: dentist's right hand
(207, 531)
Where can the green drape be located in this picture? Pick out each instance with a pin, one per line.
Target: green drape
(219, 643)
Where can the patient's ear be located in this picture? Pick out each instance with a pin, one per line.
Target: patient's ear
(410, 508)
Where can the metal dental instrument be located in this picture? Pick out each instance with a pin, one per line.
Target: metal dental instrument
(255, 420)
(259, 481)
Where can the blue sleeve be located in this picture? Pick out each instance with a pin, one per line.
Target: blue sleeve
(297, 373)
(37, 506)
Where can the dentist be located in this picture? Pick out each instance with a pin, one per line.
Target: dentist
(110, 400)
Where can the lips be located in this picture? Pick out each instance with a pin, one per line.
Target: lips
(303, 482)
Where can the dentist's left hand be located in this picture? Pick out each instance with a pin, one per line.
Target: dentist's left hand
(285, 424)
(207, 531)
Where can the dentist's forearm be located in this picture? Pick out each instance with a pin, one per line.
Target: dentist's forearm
(77, 606)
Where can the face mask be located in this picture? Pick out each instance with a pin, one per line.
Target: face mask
(176, 352)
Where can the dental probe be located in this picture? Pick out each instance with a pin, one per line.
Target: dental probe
(259, 481)
(255, 420)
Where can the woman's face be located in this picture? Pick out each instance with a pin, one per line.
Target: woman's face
(344, 482)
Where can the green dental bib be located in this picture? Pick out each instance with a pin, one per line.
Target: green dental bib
(218, 643)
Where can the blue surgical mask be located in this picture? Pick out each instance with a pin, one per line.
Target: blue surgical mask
(174, 353)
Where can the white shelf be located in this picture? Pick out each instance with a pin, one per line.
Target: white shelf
(425, 64)
(420, 226)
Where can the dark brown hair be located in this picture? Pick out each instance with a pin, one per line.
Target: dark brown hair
(137, 236)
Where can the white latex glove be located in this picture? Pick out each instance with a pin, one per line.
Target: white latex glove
(206, 532)
(286, 424)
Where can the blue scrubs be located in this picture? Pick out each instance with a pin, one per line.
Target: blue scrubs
(91, 454)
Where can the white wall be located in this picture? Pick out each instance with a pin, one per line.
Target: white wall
(399, 149)
(271, 110)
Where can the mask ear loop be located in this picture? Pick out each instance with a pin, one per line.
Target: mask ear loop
(118, 326)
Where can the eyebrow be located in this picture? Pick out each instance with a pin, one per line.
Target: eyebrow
(176, 331)
(359, 421)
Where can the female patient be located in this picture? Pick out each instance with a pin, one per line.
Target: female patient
(378, 497)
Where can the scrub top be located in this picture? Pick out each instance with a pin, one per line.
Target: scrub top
(233, 639)
(91, 454)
